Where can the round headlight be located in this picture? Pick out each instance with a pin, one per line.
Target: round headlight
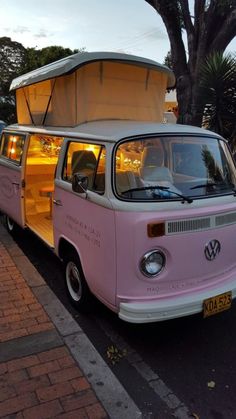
(152, 263)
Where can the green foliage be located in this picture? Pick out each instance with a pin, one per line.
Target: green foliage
(8, 111)
(12, 57)
(218, 93)
(49, 54)
(31, 60)
(168, 60)
(38, 58)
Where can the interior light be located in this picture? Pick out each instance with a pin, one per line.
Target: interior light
(90, 147)
(13, 139)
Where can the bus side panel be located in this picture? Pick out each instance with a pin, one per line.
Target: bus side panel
(11, 199)
(90, 228)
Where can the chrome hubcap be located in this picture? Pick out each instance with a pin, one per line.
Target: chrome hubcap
(73, 281)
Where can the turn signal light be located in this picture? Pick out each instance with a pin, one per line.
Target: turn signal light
(156, 229)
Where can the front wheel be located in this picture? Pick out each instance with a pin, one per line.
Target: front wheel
(76, 286)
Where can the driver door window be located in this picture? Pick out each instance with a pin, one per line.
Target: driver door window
(86, 159)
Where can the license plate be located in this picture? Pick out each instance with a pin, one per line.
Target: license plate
(217, 304)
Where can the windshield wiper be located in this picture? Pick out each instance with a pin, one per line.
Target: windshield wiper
(213, 184)
(161, 188)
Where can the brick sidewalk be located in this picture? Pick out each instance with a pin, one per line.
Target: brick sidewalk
(36, 383)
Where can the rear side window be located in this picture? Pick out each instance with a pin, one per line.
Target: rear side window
(12, 147)
(2, 125)
(87, 159)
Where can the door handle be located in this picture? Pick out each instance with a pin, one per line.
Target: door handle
(57, 202)
(16, 183)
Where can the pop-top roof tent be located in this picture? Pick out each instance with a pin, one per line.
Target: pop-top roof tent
(92, 86)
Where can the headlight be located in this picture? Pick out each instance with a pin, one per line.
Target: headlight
(152, 263)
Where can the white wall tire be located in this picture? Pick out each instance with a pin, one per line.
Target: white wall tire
(73, 281)
(9, 224)
(76, 286)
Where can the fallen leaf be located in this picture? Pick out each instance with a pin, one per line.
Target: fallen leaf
(114, 354)
(211, 384)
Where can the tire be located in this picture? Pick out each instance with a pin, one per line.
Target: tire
(76, 286)
(10, 224)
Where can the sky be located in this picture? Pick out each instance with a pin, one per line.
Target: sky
(130, 26)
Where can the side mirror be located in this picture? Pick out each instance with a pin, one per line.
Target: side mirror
(79, 183)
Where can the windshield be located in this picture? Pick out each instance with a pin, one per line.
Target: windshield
(177, 167)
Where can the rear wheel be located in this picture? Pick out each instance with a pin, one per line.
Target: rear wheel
(10, 224)
(76, 286)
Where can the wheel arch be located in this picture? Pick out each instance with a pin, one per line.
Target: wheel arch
(68, 253)
(66, 248)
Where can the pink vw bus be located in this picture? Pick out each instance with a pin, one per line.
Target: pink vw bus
(143, 214)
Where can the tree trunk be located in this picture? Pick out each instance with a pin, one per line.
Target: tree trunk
(211, 29)
(189, 101)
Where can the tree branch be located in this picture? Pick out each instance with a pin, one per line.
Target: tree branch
(211, 11)
(199, 7)
(187, 18)
(190, 30)
(226, 32)
(168, 12)
(199, 14)
(154, 4)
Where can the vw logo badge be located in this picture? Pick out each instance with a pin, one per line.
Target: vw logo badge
(212, 249)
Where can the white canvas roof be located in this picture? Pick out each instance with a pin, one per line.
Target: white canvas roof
(92, 86)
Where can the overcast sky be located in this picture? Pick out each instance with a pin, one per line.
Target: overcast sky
(130, 26)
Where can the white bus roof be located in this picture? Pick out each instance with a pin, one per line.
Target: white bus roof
(113, 131)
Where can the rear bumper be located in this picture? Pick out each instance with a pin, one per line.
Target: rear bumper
(170, 308)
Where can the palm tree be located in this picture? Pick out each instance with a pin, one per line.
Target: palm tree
(218, 88)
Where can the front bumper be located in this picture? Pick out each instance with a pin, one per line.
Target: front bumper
(172, 307)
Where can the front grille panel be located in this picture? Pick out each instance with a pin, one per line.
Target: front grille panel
(183, 226)
(200, 224)
(226, 219)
